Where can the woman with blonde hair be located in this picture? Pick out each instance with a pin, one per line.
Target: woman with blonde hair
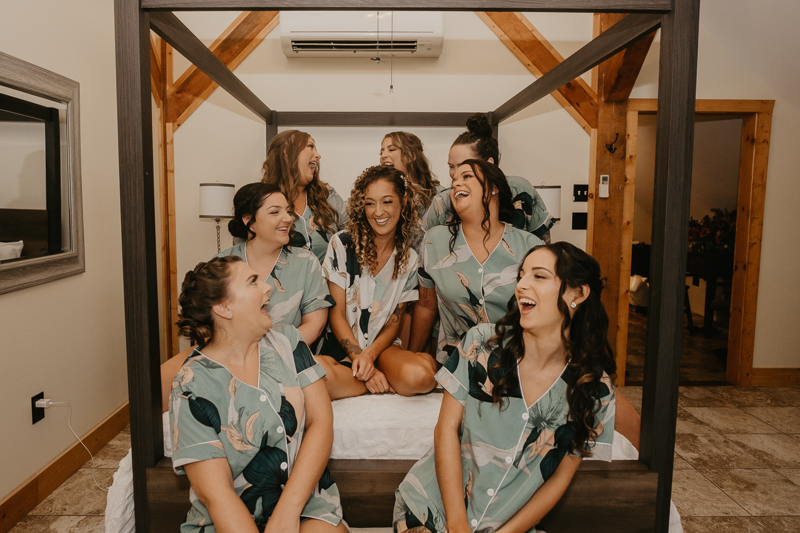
(403, 151)
(371, 270)
(293, 165)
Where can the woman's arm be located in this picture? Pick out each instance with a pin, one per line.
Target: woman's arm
(447, 450)
(378, 382)
(212, 482)
(311, 460)
(422, 320)
(544, 499)
(312, 324)
(363, 360)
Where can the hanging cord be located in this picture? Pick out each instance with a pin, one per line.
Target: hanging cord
(69, 423)
(391, 57)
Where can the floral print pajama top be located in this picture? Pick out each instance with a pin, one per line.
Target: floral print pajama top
(258, 430)
(311, 237)
(370, 300)
(506, 455)
(530, 213)
(297, 285)
(470, 293)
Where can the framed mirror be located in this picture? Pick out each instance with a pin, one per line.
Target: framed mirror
(41, 215)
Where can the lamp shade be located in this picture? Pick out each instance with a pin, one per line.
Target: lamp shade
(216, 200)
(551, 196)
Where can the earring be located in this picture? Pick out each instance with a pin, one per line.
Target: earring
(231, 316)
(494, 193)
(572, 305)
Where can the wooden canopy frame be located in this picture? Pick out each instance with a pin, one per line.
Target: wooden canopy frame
(679, 23)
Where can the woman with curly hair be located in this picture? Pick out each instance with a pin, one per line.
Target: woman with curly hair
(403, 151)
(468, 268)
(528, 397)
(293, 165)
(371, 271)
(252, 424)
(478, 142)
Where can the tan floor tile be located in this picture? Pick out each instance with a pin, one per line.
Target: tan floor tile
(689, 424)
(746, 397)
(694, 495)
(633, 395)
(113, 452)
(792, 474)
(781, 524)
(78, 495)
(699, 397)
(760, 492)
(775, 451)
(730, 420)
(722, 524)
(788, 395)
(679, 463)
(60, 524)
(714, 451)
(785, 419)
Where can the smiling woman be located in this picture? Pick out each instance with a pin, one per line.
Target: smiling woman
(403, 151)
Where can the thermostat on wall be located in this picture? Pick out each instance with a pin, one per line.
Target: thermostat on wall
(603, 192)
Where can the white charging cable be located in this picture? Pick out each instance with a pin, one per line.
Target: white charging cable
(45, 403)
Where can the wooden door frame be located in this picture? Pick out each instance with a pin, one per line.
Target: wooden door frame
(756, 127)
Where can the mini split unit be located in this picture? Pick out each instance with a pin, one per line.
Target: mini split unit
(361, 34)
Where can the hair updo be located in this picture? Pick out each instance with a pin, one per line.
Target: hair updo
(247, 201)
(202, 288)
(479, 136)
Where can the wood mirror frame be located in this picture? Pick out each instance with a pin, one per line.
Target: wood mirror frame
(30, 79)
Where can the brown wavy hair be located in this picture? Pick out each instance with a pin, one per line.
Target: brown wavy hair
(280, 169)
(407, 231)
(418, 168)
(589, 354)
(203, 287)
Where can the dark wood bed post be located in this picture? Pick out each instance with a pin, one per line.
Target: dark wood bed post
(139, 250)
(672, 187)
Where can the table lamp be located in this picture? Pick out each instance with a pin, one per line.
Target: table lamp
(216, 201)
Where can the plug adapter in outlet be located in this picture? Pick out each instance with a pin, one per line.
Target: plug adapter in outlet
(38, 412)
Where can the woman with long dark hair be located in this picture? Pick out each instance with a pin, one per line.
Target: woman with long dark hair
(468, 268)
(402, 151)
(527, 399)
(371, 268)
(293, 165)
(252, 424)
(478, 142)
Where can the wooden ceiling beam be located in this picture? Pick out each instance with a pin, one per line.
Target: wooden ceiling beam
(172, 30)
(632, 28)
(539, 57)
(623, 69)
(156, 79)
(231, 47)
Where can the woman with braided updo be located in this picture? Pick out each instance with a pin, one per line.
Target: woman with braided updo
(371, 271)
(252, 423)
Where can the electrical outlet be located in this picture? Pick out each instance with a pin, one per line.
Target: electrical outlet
(38, 412)
(580, 193)
(580, 220)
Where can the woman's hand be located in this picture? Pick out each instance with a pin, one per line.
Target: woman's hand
(378, 383)
(363, 364)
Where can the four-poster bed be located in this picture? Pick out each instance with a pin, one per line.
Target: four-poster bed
(642, 488)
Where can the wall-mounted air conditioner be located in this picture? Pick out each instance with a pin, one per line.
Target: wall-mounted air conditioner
(361, 33)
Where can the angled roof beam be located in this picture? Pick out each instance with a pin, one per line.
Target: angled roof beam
(624, 68)
(630, 29)
(585, 6)
(231, 47)
(539, 57)
(184, 41)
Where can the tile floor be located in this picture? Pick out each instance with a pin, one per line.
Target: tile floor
(737, 467)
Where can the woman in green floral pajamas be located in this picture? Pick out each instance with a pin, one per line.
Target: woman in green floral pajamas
(525, 400)
(252, 424)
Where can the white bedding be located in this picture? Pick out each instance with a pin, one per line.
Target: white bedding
(386, 426)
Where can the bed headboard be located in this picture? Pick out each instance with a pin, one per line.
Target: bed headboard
(28, 225)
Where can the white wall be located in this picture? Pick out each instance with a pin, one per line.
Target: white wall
(66, 337)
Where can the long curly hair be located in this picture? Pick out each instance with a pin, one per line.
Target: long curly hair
(281, 169)
(585, 338)
(247, 201)
(417, 165)
(408, 228)
(491, 177)
(479, 136)
(203, 287)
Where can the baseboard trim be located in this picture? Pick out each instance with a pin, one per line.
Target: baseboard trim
(21, 501)
(775, 377)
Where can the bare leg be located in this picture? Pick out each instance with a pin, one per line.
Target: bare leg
(408, 373)
(626, 420)
(404, 333)
(340, 381)
(320, 526)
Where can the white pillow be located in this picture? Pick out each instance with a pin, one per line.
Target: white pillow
(10, 250)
